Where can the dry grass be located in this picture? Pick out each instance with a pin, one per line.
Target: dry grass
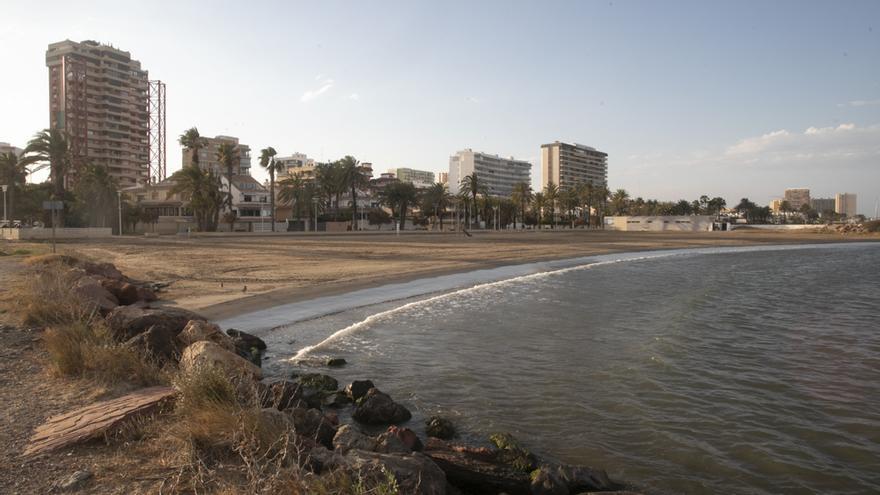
(46, 298)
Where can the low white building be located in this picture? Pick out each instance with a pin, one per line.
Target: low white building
(685, 223)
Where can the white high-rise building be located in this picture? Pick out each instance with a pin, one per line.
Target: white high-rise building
(569, 165)
(498, 174)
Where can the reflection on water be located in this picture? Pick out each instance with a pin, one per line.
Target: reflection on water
(740, 372)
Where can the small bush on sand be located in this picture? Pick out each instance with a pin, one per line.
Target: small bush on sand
(46, 298)
(87, 349)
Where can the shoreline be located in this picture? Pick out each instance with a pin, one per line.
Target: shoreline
(252, 304)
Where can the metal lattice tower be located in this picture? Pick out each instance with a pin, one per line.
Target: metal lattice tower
(158, 160)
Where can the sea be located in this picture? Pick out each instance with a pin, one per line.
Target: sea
(751, 370)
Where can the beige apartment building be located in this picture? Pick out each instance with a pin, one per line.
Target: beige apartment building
(8, 148)
(797, 198)
(498, 174)
(846, 204)
(822, 205)
(100, 97)
(569, 165)
(208, 156)
(419, 178)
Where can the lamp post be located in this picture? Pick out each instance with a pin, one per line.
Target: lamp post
(4, 187)
(315, 228)
(120, 211)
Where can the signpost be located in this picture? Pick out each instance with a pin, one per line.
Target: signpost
(4, 187)
(53, 206)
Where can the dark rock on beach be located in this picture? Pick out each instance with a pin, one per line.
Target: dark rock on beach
(319, 381)
(311, 423)
(158, 343)
(438, 427)
(358, 389)
(477, 470)
(378, 408)
(336, 400)
(245, 340)
(127, 321)
(336, 362)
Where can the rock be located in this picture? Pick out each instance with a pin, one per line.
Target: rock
(321, 459)
(284, 394)
(348, 437)
(336, 362)
(103, 270)
(336, 400)
(128, 294)
(73, 482)
(389, 443)
(546, 481)
(158, 343)
(438, 427)
(414, 473)
(512, 453)
(377, 408)
(205, 353)
(477, 470)
(275, 422)
(408, 437)
(319, 381)
(127, 321)
(358, 389)
(95, 295)
(146, 294)
(311, 423)
(583, 478)
(200, 330)
(246, 340)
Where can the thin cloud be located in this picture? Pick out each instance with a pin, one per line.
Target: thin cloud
(354, 96)
(326, 85)
(860, 103)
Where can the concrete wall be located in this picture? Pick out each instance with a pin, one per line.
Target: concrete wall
(46, 234)
(777, 227)
(688, 223)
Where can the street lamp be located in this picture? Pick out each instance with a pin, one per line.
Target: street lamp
(315, 200)
(120, 211)
(4, 187)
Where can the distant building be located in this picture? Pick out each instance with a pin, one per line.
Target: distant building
(419, 178)
(8, 148)
(498, 174)
(569, 165)
(99, 95)
(297, 164)
(846, 204)
(776, 206)
(687, 223)
(208, 156)
(797, 198)
(443, 177)
(822, 205)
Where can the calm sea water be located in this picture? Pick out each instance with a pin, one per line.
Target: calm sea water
(739, 372)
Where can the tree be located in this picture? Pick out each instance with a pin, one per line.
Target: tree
(398, 196)
(192, 142)
(52, 146)
(13, 173)
(538, 204)
(585, 192)
(522, 195)
(295, 191)
(551, 196)
(436, 199)
(378, 216)
(267, 161)
(97, 193)
(568, 201)
(205, 195)
(331, 183)
(472, 185)
(620, 202)
(715, 205)
(227, 155)
(352, 176)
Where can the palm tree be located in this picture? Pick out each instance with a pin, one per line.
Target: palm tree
(331, 183)
(13, 173)
(353, 177)
(472, 185)
(97, 191)
(568, 200)
(192, 142)
(436, 198)
(398, 196)
(619, 200)
(539, 202)
(522, 195)
(227, 156)
(267, 161)
(204, 192)
(52, 146)
(551, 195)
(585, 193)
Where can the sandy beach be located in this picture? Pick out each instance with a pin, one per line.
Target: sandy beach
(226, 275)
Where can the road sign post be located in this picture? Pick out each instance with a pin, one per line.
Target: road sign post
(53, 206)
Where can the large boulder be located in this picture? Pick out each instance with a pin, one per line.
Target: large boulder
(578, 479)
(209, 354)
(127, 321)
(477, 470)
(95, 295)
(378, 408)
(128, 293)
(407, 437)
(438, 427)
(511, 452)
(415, 473)
(319, 381)
(244, 340)
(311, 423)
(158, 343)
(200, 330)
(348, 437)
(358, 389)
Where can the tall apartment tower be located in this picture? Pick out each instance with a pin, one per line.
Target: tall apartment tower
(498, 174)
(569, 165)
(208, 156)
(100, 97)
(797, 198)
(845, 204)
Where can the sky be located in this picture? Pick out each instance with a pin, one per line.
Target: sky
(733, 99)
